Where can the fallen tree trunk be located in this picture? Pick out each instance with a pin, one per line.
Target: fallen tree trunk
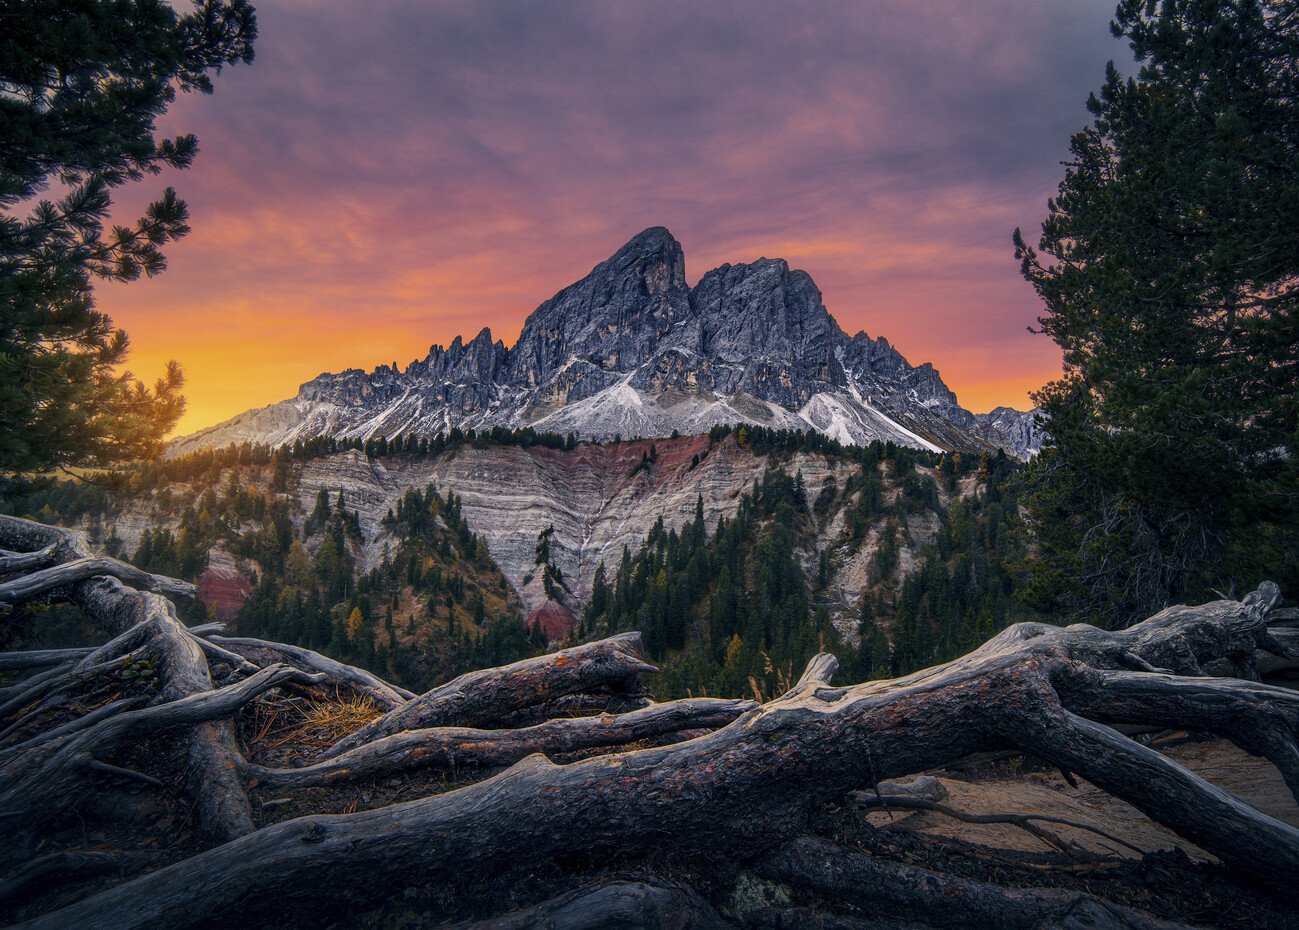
(751, 785)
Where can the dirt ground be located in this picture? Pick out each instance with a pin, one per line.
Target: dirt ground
(1005, 790)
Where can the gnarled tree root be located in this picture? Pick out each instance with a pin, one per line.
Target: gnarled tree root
(462, 747)
(752, 785)
(26, 587)
(138, 619)
(40, 658)
(478, 698)
(14, 562)
(39, 780)
(385, 695)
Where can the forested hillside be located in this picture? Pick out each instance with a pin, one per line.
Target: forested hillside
(737, 612)
(894, 559)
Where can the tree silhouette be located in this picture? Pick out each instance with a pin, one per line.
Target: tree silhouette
(82, 85)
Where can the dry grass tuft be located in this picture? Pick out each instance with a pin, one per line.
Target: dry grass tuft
(764, 691)
(295, 725)
(329, 721)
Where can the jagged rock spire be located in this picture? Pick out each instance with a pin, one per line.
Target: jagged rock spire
(632, 350)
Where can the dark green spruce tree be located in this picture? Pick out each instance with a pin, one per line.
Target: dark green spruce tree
(1169, 269)
(82, 84)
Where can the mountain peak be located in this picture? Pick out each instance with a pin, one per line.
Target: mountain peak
(632, 350)
(610, 320)
(652, 238)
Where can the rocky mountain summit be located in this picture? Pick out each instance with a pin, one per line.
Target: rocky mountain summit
(1014, 430)
(632, 350)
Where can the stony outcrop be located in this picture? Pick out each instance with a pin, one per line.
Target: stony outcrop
(595, 497)
(223, 587)
(632, 350)
(1014, 430)
(598, 498)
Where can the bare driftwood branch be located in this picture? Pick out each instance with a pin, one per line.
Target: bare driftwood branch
(26, 587)
(13, 562)
(261, 652)
(461, 747)
(478, 698)
(753, 785)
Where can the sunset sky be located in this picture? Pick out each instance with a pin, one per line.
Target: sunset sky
(389, 175)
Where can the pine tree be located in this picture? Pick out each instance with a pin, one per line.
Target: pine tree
(84, 85)
(1168, 266)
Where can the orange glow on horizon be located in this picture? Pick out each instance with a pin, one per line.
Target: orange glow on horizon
(382, 179)
(240, 351)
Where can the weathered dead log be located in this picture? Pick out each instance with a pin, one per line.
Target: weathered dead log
(13, 562)
(749, 786)
(40, 658)
(478, 698)
(891, 889)
(613, 904)
(33, 585)
(261, 652)
(462, 747)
